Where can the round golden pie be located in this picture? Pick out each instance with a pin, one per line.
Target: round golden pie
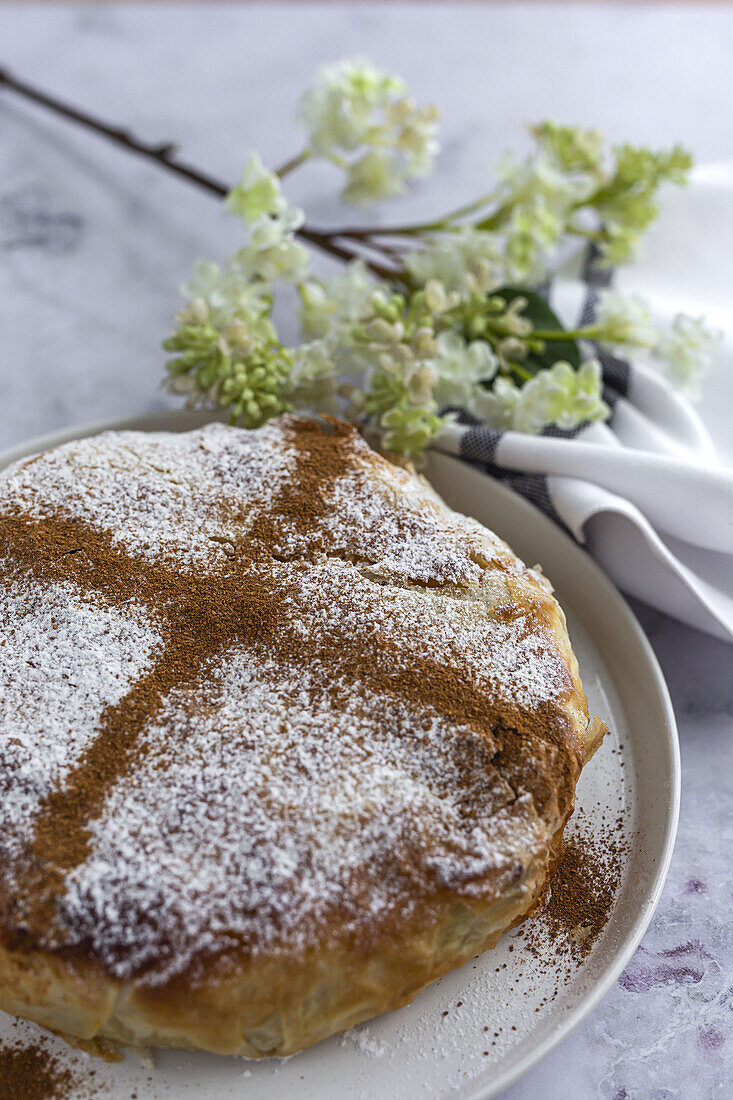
(282, 738)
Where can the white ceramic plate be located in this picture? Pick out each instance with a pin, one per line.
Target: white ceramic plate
(436, 1046)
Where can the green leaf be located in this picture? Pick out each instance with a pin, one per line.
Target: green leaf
(544, 320)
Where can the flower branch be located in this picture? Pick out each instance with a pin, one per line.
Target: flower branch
(426, 317)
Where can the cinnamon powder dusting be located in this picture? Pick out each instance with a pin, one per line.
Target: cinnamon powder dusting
(347, 703)
(583, 890)
(32, 1073)
(582, 894)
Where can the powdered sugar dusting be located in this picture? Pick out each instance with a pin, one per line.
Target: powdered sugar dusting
(259, 816)
(361, 1039)
(182, 496)
(63, 660)
(514, 656)
(158, 493)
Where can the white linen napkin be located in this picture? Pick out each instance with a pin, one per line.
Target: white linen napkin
(646, 491)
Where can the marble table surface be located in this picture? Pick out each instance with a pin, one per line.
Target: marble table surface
(94, 242)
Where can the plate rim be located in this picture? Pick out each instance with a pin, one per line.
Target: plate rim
(172, 420)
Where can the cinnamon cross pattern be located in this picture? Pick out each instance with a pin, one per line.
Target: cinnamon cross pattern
(200, 617)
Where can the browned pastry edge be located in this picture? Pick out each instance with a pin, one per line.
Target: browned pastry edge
(276, 1007)
(272, 1008)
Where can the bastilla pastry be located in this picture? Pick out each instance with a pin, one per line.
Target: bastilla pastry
(282, 738)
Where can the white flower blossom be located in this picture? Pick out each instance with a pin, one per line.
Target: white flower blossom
(353, 107)
(540, 176)
(495, 407)
(413, 131)
(560, 395)
(222, 296)
(515, 323)
(534, 229)
(376, 175)
(624, 320)
(339, 109)
(438, 299)
(540, 195)
(408, 431)
(313, 382)
(687, 352)
(620, 242)
(460, 367)
(272, 251)
(257, 194)
(316, 308)
(346, 298)
(570, 148)
(540, 198)
(465, 261)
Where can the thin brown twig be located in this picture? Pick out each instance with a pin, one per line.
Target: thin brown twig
(165, 155)
(358, 234)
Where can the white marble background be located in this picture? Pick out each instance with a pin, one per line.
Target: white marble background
(94, 242)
